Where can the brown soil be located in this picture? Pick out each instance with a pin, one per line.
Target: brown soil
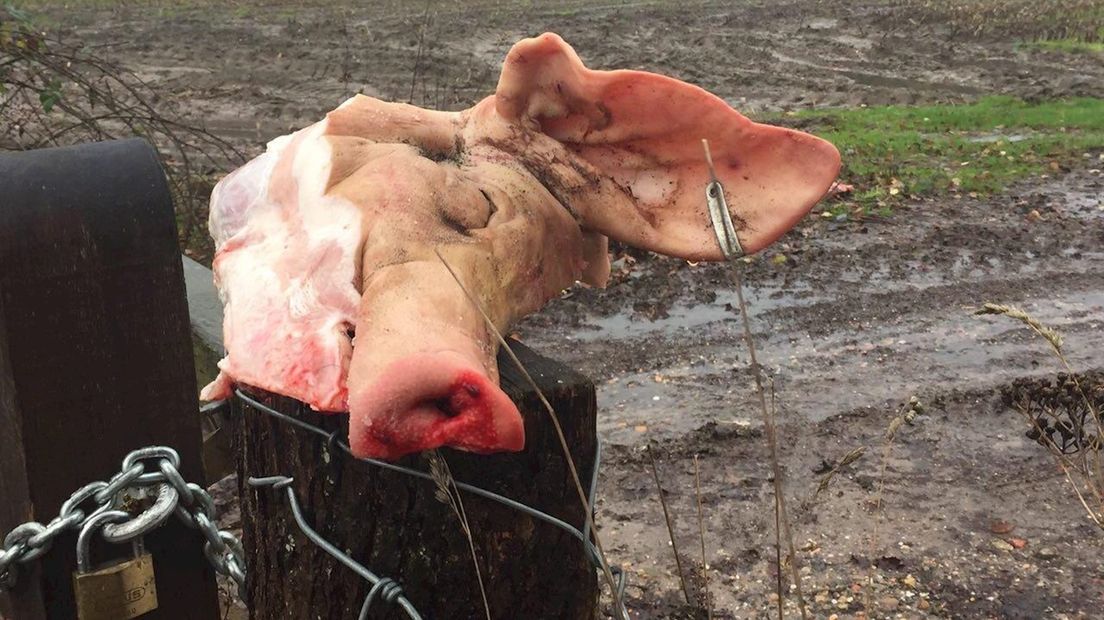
(853, 321)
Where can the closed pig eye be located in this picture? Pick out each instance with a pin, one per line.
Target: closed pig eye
(465, 210)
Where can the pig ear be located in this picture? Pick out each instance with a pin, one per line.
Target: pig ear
(643, 132)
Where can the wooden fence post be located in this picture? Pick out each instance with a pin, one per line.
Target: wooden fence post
(95, 357)
(394, 525)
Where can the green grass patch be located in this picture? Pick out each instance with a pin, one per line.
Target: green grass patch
(893, 153)
(1068, 45)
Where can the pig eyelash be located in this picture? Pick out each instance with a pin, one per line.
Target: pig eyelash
(455, 224)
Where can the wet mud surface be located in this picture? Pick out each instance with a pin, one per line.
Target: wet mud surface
(255, 72)
(858, 319)
(851, 318)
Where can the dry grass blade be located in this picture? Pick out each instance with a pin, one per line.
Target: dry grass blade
(670, 527)
(1050, 335)
(701, 536)
(608, 574)
(772, 442)
(906, 415)
(448, 494)
(826, 479)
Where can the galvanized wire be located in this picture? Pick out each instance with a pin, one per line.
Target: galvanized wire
(593, 556)
(385, 588)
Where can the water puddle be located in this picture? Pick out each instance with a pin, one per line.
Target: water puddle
(821, 376)
(998, 137)
(689, 315)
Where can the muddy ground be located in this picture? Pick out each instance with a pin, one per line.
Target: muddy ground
(851, 318)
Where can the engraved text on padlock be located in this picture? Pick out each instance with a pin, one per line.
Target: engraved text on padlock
(119, 591)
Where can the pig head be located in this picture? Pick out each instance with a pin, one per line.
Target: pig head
(328, 243)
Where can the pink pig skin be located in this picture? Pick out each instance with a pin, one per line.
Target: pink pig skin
(335, 229)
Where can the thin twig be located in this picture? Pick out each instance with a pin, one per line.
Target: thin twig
(63, 93)
(447, 493)
(559, 433)
(778, 557)
(670, 527)
(701, 537)
(905, 415)
(772, 442)
(777, 529)
(418, 58)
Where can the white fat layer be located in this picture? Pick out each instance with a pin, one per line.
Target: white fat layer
(279, 142)
(237, 196)
(288, 318)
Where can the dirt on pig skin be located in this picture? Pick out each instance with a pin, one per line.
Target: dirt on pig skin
(852, 318)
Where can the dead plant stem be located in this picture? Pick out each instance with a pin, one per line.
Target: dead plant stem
(614, 594)
(867, 601)
(772, 442)
(1092, 473)
(447, 485)
(670, 527)
(701, 537)
(777, 534)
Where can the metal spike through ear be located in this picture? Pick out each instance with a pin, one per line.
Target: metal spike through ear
(718, 211)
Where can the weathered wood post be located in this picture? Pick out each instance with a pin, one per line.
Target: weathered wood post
(95, 358)
(393, 524)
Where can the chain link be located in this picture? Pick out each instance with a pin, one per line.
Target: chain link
(146, 472)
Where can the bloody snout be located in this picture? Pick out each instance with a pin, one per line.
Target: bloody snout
(430, 400)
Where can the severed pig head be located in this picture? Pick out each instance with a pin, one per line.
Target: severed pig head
(327, 244)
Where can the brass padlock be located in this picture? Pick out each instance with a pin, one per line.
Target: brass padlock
(119, 591)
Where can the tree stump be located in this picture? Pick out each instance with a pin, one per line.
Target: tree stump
(393, 524)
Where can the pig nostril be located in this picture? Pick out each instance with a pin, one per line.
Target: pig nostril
(444, 405)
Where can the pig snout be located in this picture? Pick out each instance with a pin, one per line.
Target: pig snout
(428, 400)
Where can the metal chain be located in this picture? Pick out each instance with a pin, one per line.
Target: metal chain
(152, 472)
